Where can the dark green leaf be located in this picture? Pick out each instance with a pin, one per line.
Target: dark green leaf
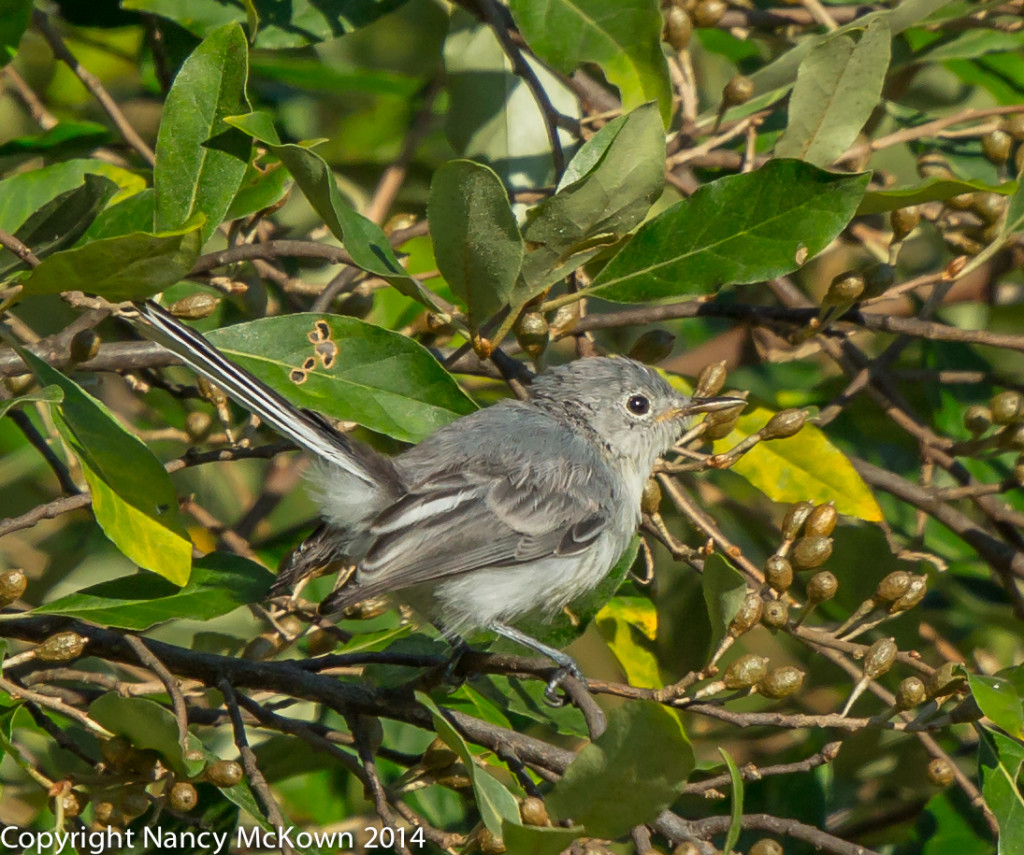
(129, 267)
(14, 19)
(536, 840)
(64, 137)
(606, 191)
(629, 774)
(132, 496)
(46, 395)
(146, 724)
(837, 87)
(736, 807)
(134, 214)
(1001, 698)
(738, 229)
(282, 25)
(496, 804)
(476, 239)
(383, 380)
(363, 239)
(260, 188)
(1000, 759)
(200, 160)
(24, 193)
(929, 190)
(219, 583)
(623, 38)
(724, 589)
(61, 221)
(970, 45)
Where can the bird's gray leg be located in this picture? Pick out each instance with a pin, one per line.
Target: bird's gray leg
(566, 664)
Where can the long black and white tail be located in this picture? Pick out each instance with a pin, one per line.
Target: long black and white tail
(307, 429)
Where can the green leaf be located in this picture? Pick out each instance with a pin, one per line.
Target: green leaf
(970, 45)
(219, 583)
(146, 724)
(624, 39)
(805, 467)
(495, 803)
(132, 496)
(260, 188)
(837, 87)
(24, 193)
(492, 115)
(929, 190)
(46, 395)
(282, 25)
(629, 774)
(738, 229)
(724, 590)
(134, 214)
(383, 380)
(1001, 698)
(129, 267)
(63, 137)
(363, 239)
(607, 190)
(537, 840)
(61, 221)
(1000, 759)
(630, 625)
(476, 239)
(200, 160)
(736, 808)
(15, 16)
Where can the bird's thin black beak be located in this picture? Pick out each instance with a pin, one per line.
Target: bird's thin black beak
(712, 405)
(695, 406)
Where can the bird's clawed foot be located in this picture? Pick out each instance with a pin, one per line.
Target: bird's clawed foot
(555, 694)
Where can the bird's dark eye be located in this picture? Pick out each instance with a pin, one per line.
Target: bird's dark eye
(638, 405)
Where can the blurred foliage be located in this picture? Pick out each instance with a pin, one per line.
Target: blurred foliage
(385, 209)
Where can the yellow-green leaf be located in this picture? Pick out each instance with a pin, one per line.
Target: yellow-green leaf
(629, 625)
(805, 467)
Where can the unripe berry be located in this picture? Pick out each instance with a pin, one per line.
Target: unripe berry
(748, 615)
(85, 344)
(194, 307)
(778, 573)
(821, 587)
(781, 682)
(1007, 407)
(943, 681)
(711, 380)
(795, 518)
(738, 90)
(183, 797)
(534, 812)
(811, 551)
(224, 773)
(745, 671)
(880, 657)
(532, 333)
(845, 288)
(940, 772)
(766, 846)
(893, 586)
(707, 13)
(784, 424)
(904, 221)
(977, 419)
(822, 520)
(678, 28)
(61, 647)
(650, 499)
(909, 693)
(996, 145)
(775, 614)
(12, 585)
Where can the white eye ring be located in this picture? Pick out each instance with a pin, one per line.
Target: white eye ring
(638, 405)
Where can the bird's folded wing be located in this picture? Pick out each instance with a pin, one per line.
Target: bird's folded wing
(472, 520)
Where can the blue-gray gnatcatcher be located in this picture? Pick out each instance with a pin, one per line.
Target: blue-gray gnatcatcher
(514, 510)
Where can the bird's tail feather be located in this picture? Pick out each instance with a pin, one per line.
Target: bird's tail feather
(307, 429)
